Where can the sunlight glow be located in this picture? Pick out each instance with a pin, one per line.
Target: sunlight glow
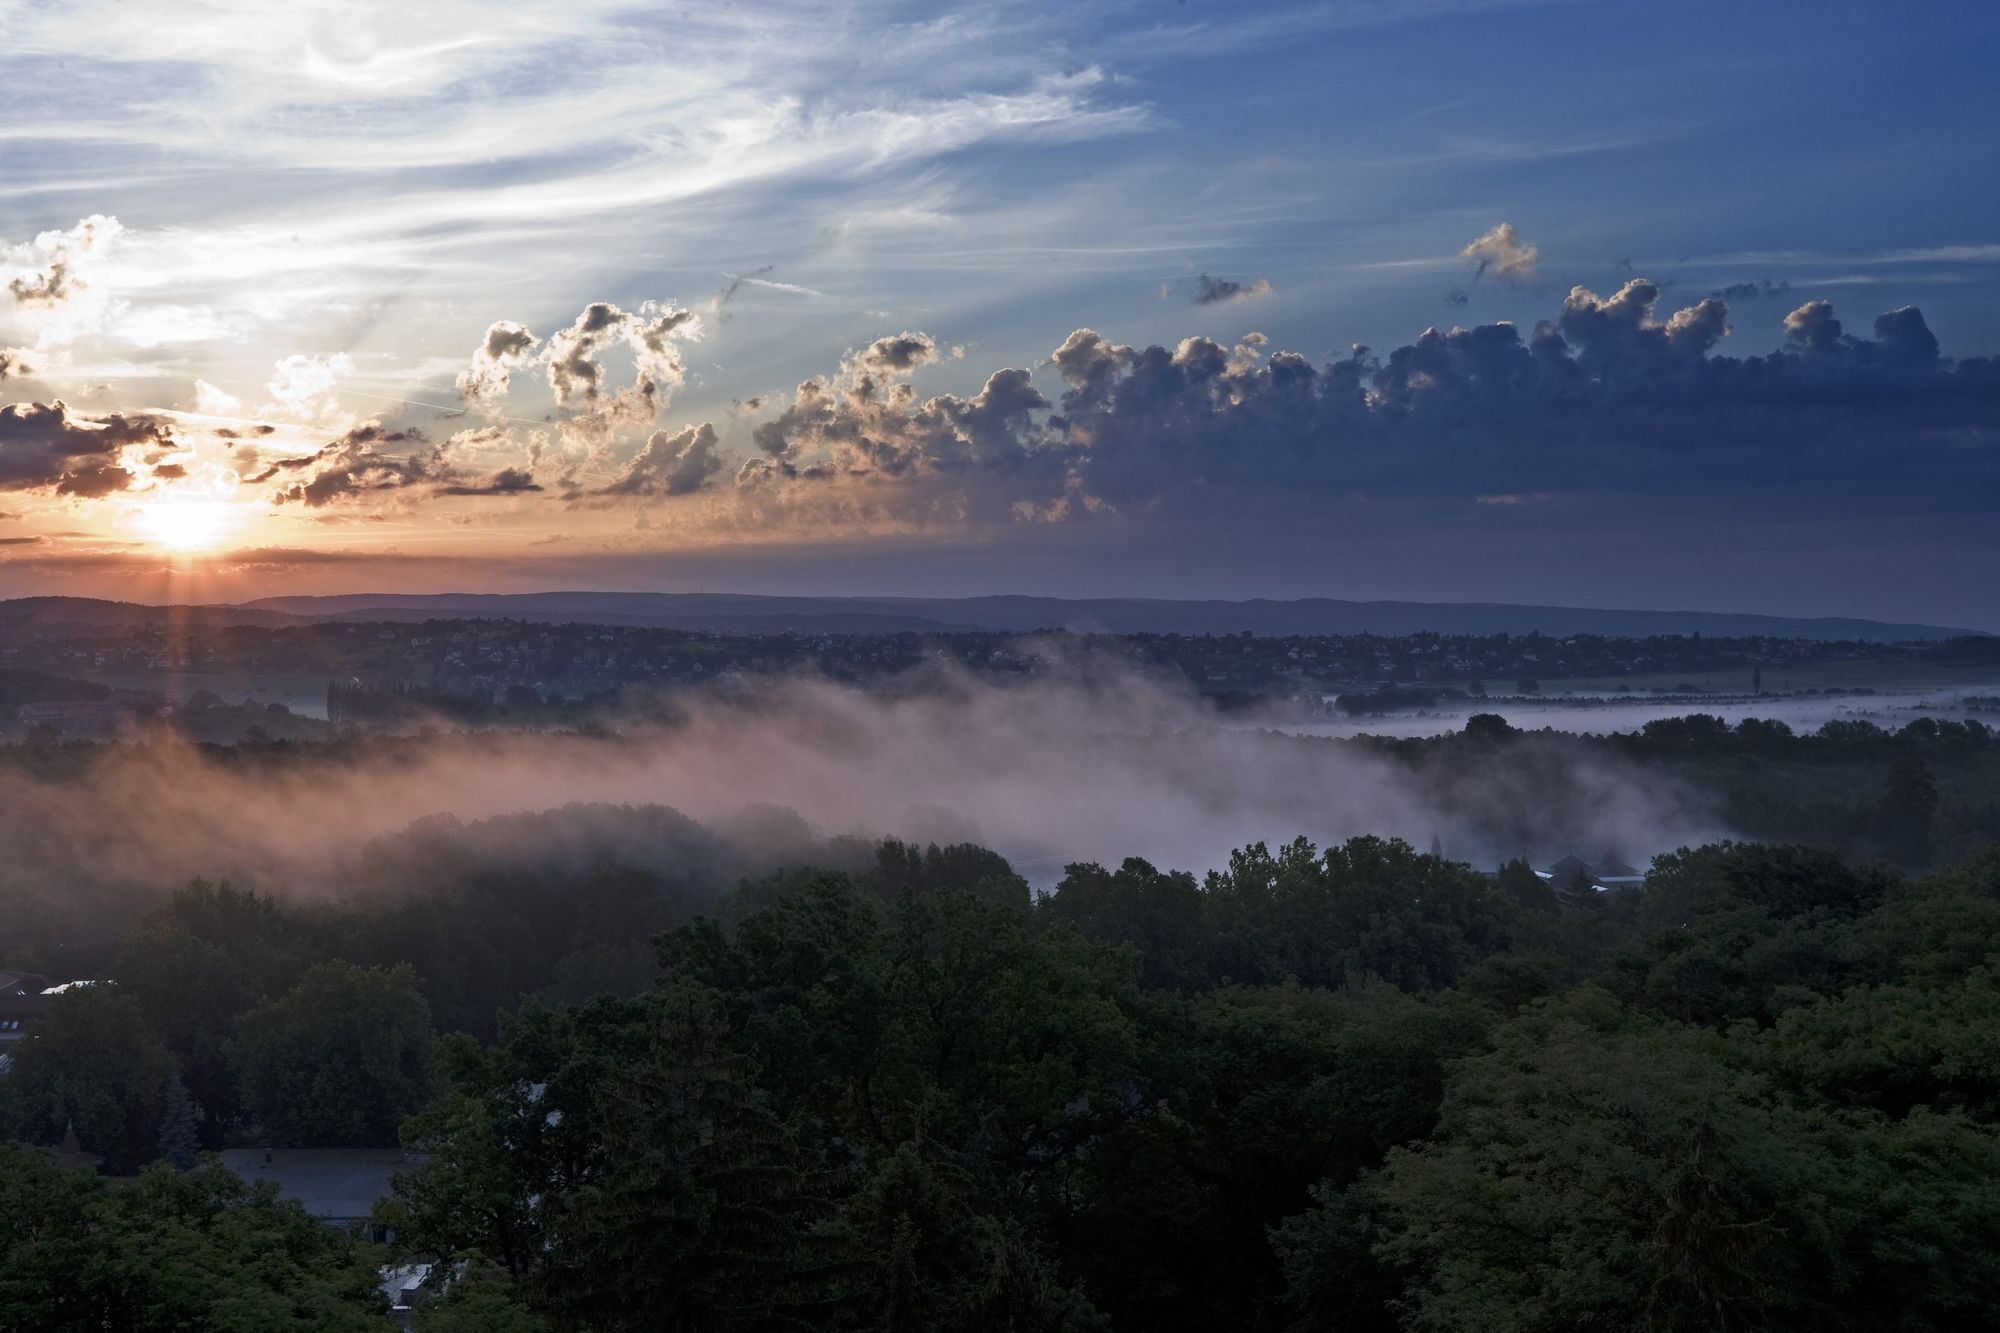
(187, 525)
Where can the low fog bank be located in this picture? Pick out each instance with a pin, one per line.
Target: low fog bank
(1086, 766)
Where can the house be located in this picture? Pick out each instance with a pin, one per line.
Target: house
(1579, 878)
(339, 1186)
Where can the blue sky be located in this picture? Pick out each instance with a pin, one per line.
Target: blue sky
(311, 216)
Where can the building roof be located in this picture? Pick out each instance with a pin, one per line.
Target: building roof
(333, 1184)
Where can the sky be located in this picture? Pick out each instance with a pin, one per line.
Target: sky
(1689, 306)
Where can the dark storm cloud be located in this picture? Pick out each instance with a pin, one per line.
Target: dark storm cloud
(1222, 291)
(44, 446)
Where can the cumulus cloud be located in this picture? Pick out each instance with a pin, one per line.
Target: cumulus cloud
(1224, 291)
(866, 421)
(670, 464)
(356, 465)
(898, 354)
(307, 388)
(47, 447)
(1614, 394)
(594, 414)
(214, 402)
(49, 271)
(576, 374)
(56, 285)
(12, 362)
(506, 347)
(1501, 253)
(372, 460)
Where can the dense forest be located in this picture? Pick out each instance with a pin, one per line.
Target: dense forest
(1351, 1088)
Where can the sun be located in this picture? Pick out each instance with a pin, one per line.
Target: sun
(186, 525)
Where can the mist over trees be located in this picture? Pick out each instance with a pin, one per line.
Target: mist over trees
(656, 1071)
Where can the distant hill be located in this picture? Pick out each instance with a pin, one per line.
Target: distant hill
(743, 613)
(96, 611)
(1125, 615)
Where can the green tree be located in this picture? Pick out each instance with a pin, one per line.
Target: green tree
(91, 1062)
(706, 1209)
(932, 1257)
(480, 1300)
(193, 993)
(1909, 805)
(339, 1060)
(172, 1252)
(179, 1136)
(1601, 1170)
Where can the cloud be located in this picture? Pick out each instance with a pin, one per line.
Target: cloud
(670, 464)
(573, 357)
(307, 388)
(867, 421)
(1750, 291)
(576, 375)
(355, 466)
(214, 402)
(365, 463)
(506, 347)
(1501, 253)
(49, 271)
(12, 363)
(46, 447)
(57, 286)
(898, 354)
(1224, 291)
(507, 481)
(757, 277)
(1614, 397)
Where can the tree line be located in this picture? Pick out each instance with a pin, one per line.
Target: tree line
(1353, 1087)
